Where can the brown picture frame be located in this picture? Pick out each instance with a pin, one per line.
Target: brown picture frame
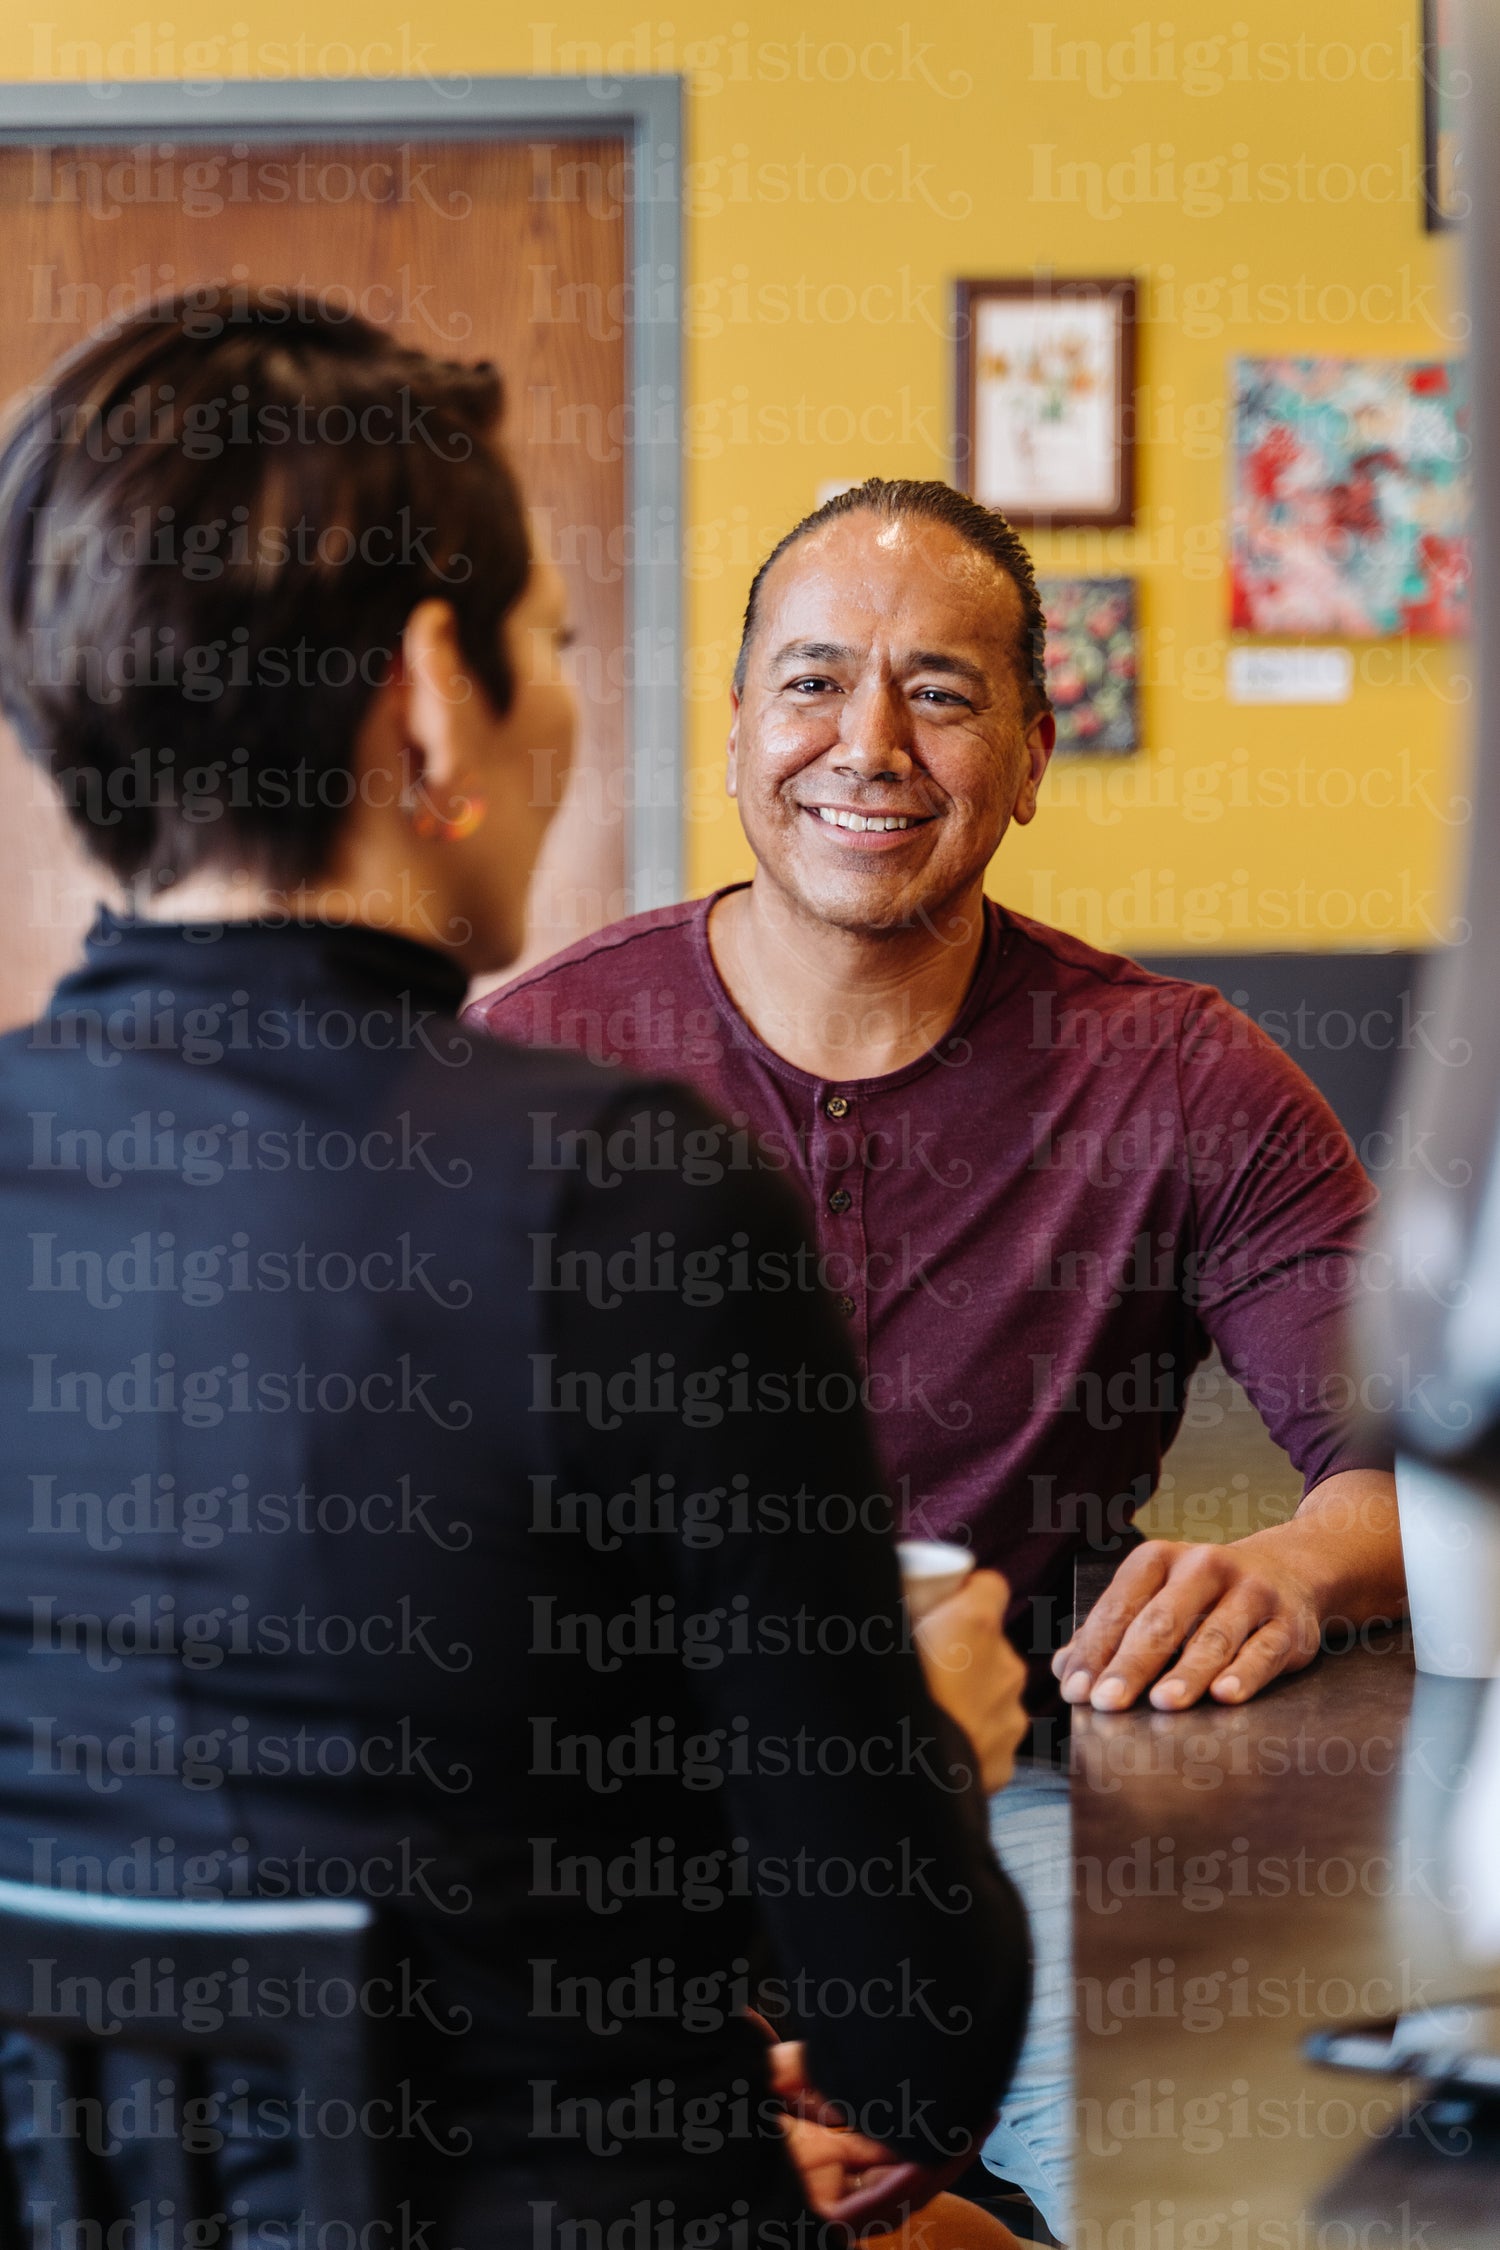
(1106, 496)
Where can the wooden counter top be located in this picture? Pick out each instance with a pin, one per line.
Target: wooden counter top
(1241, 1877)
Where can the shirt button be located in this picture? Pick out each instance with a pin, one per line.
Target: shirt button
(840, 1200)
(847, 1307)
(837, 1105)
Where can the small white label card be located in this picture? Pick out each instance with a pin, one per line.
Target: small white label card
(1290, 675)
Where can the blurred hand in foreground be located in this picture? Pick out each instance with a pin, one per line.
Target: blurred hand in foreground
(974, 1674)
(849, 2180)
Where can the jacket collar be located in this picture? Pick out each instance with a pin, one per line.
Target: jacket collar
(271, 959)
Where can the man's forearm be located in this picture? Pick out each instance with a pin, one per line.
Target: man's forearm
(1345, 1542)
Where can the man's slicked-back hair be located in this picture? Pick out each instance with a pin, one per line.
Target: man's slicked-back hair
(216, 516)
(929, 501)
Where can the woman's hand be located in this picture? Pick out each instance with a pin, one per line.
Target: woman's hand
(974, 1673)
(830, 2159)
(849, 2180)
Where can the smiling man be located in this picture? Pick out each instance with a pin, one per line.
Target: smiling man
(1044, 1182)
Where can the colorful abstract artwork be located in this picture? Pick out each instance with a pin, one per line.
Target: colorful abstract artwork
(1350, 497)
(1092, 662)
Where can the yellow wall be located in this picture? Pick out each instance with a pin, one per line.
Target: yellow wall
(1255, 166)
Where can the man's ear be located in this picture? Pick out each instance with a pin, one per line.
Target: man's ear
(438, 693)
(732, 747)
(1040, 741)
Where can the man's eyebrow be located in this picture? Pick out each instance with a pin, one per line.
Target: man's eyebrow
(944, 660)
(813, 652)
(915, 660)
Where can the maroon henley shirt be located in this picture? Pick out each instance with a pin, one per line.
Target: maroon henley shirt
(1036, 1231)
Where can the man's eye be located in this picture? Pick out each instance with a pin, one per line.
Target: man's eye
(809, 686)
(942, 695)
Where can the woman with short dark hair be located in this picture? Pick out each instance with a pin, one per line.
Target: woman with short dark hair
(436, 1476)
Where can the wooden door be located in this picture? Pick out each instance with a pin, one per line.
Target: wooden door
(471, 249)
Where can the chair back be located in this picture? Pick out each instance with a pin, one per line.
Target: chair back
(166, 1998)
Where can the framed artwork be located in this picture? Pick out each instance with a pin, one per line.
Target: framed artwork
(1444, 84)
(1350, 500)
(1045, 394)
(1093, 662)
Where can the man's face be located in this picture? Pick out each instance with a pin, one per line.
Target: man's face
(882, 689)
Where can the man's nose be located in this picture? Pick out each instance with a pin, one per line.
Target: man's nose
(875, 738)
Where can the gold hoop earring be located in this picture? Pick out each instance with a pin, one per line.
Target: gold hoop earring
(428, 823)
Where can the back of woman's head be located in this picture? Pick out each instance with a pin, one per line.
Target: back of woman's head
(216, 516)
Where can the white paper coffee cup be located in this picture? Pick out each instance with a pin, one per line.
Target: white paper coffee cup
(931, 1570)
(1450, 1540)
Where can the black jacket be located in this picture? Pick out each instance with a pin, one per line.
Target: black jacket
(434, 1475)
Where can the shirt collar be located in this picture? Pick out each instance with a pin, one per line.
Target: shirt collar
(995, 947)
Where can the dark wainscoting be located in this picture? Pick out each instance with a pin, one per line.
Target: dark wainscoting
(1346, 1018)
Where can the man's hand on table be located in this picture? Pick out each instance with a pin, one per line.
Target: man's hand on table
(1235, 1617)
(1238, 1619)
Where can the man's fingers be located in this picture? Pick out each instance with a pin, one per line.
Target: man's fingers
(1271, 1651)
(1138, 1579)
(1225, 1619)
(1217, 1643)
(1186, 1603)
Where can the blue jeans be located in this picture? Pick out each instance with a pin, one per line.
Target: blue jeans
(1032, 2145)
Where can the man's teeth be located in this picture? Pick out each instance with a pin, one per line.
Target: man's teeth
(858, 821)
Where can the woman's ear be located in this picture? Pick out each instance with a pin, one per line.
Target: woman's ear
(440, 696)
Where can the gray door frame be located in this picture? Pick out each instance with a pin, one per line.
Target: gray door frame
(646, 112)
